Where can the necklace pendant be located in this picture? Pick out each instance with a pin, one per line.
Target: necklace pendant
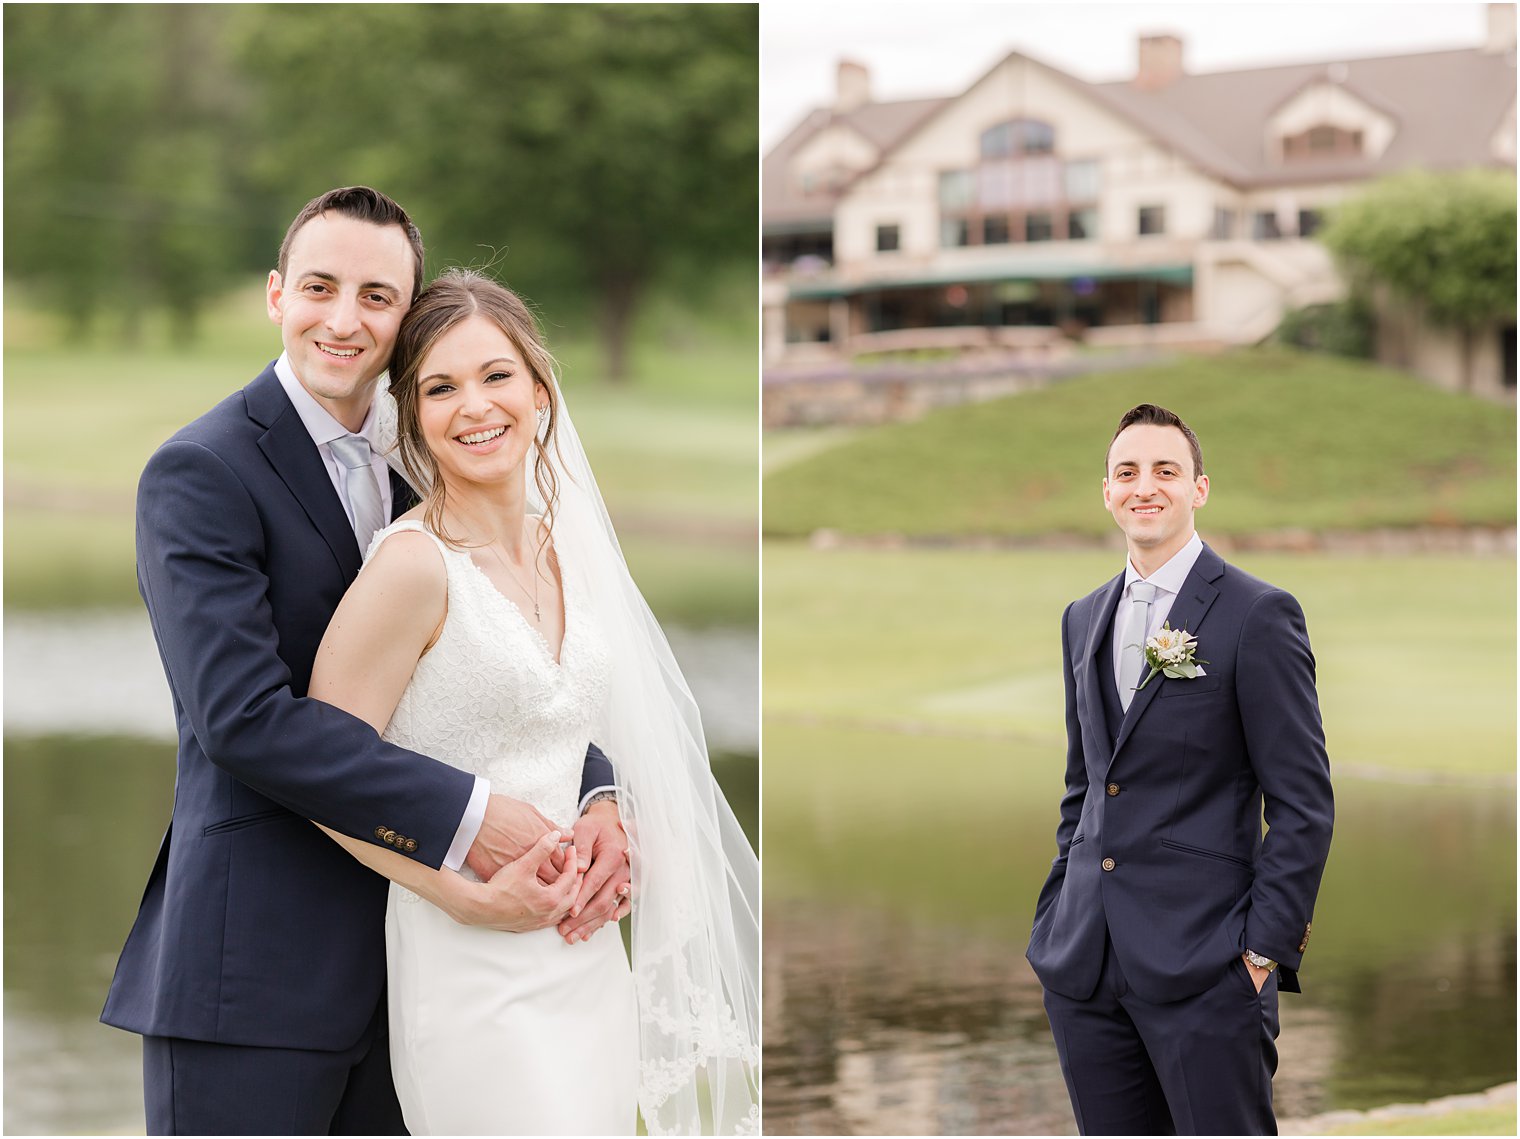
(537, 616)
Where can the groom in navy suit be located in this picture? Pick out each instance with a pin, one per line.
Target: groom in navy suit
(1168, 924)
(256, 968)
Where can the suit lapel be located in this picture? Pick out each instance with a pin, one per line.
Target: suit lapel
(1097, 628)
(289, 449)
(1188, 611)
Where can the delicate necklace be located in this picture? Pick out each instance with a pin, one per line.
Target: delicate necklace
(537, 616)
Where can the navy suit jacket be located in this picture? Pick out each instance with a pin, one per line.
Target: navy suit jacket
(256, 928)
(1173, 794)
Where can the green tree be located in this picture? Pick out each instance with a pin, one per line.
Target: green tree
(119, 159)
(1443, 241)
(582, 149)
(154, 152)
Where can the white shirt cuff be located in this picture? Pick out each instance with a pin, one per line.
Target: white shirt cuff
(586, 798)
(469, 825)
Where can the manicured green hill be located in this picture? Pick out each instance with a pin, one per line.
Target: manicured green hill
(1289, 440)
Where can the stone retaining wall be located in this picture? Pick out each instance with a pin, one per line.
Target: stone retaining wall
(1472, 540)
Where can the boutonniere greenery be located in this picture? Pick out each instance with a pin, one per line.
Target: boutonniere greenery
(1173, 653)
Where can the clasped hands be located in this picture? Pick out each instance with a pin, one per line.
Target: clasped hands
(528, 882)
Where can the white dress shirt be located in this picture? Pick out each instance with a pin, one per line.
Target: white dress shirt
(1168, 582)
(323, 429)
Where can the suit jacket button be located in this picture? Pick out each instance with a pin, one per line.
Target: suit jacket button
(390, 837)
(411, 845)
(380, 831)
(1113, 788)
(1109, 864)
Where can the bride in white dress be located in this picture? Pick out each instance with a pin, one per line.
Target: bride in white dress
(495, 627)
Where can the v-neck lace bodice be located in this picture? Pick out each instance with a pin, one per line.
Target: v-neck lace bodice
(489, 698)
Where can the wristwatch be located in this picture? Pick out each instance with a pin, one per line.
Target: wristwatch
(1261, 962)
(600, 797)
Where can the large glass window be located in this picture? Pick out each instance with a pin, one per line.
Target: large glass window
(953, 232)
(1020, 191)
(887, 237)
(1152, 221)
(997, 186)
(1012, 185)
(1018, 136)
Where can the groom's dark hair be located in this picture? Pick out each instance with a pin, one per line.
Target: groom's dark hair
(362, 204)
(1149, 413)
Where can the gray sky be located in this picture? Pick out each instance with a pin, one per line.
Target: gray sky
(938, 47)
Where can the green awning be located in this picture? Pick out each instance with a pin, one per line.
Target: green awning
(981, 274)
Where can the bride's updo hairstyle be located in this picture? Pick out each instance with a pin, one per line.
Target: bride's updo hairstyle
(449, 301)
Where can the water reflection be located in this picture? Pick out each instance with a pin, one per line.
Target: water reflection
(129, 696)
(876, 1024)
(97, 807)
(900, 1002)
(83, 817)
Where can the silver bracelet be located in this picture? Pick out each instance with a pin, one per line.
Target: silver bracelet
(1261, 962)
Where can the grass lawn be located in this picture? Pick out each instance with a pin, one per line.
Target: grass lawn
(1290, 440)
(914, 747)
(675, 449)
(958, 640)
(1472, 1121)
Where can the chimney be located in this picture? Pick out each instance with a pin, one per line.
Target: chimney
(1501, 29)
(1160, 62)
(852, 87)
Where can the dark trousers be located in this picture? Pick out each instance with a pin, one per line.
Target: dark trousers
(1200, 1066)
(192, 1087)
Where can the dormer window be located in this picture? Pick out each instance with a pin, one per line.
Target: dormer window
(1322, 142)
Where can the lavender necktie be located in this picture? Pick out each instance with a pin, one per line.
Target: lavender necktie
(359, 485)
(1132, 639)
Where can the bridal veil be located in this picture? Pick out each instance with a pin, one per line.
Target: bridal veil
(696, 879)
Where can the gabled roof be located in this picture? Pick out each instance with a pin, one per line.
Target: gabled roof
(880, 124)
(1445, 106)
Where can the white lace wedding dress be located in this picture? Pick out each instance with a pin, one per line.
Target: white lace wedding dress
(507, 1033)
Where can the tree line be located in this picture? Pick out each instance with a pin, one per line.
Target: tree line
(155, 153)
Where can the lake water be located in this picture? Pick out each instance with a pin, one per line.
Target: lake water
(89, 776)
(118, 686)
(897, 997)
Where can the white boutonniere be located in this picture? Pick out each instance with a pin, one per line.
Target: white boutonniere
(1172, 651)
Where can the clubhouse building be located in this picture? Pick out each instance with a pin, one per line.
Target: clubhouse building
(1035, 209)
